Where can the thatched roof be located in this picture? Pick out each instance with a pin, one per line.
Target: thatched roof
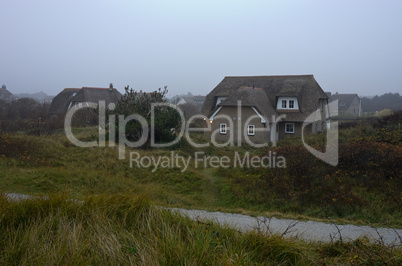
(304, 87)
(62, 100)
(252, 97)
(5, 95)
(94, 95)
(69, 96)
(197, 100)
(346, 99)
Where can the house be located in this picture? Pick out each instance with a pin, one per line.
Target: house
(197, 100)
(191, 105)
(265, 108)
(80, 97)
(349, 105)
(5, 95)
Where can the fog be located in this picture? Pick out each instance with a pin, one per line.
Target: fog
(190, 46)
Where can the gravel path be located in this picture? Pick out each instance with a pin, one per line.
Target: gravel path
(314, 231)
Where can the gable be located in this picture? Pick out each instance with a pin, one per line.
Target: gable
(344, 100)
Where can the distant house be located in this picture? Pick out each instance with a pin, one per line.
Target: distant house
(75, 98)
(5, 95)
(191, 105)
(263, 99)
(197, 100)
(348, 104)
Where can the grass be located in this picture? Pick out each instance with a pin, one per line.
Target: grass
(361, 190)
(113, 229)
(116, 220)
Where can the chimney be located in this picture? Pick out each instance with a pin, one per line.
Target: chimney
(111, 86)
(3, 87)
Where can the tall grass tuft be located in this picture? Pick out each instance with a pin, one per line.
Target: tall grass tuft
(124, 229)
(128, 229)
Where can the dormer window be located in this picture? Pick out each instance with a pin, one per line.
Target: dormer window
(287, 103)
(219, 99)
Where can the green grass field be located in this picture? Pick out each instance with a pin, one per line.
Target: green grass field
(363, 189)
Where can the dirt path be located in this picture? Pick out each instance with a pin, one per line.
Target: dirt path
(314, 231)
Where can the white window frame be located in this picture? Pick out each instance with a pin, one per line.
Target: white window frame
(223, 129)
(291, 102)
(251, 133)
(286, 128)
(284, 103)
(78, 105)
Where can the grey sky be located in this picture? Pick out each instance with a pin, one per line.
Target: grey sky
(349, 46)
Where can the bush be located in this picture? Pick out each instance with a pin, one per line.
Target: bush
(167, 120)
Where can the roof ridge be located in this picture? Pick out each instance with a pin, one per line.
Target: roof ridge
(303, 75)
(334, 94)
(97, 88)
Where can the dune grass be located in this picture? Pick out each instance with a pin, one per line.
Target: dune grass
(362, 189)
(127, 229)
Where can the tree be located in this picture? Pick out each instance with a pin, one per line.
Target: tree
(391, 101)
(166, 119)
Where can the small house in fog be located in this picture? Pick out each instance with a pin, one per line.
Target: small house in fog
(191, 105)
(81, 97)
(197, 100)
(5, 95)
(349, 105)
(265, 108)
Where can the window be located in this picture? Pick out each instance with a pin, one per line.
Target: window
(222, 128)
(291, 104)
(342, 104)
(87, 119)
(219, 99)
(289, 128)
(287, 103)
(251, 130)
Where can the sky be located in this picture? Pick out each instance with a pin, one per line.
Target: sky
(190, 45)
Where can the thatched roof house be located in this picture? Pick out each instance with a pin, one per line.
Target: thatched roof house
(70, 97)
(5, 95)
(266, 96)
